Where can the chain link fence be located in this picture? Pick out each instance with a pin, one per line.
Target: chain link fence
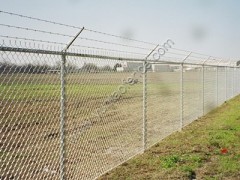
(76, 111)
(98, 133)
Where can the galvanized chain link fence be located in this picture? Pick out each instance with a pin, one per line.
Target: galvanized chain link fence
(100, 122)
(76, 112)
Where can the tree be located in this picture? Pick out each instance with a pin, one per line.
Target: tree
(71, 67)
(9, 68)
(106, 68)
(90, 67)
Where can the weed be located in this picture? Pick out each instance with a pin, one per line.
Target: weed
(170, 161)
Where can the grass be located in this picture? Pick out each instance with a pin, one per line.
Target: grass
(196, 152)
(45, 86)
(17, 91)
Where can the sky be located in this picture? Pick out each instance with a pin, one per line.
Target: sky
(206, 26)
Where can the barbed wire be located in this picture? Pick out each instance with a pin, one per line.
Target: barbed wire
(34, 40)
(94, 40)
(66, 35)
(106, 49)
(177, 49)
(75, 27)
(107, 34)
(35, 30)
(38, 19)
(112, 43)
(58, 43)
(190, 58)
(169, 51)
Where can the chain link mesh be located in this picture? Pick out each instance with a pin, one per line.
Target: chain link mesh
(29, 116)
(109, 118)
(104, 119)
(163, 104)
(192, 93)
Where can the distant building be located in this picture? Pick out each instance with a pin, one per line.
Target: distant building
(131, 66)
(53, 71)
(161, 68)
(135, 66)
(120, 69)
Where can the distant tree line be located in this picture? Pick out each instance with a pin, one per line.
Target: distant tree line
(6, 68)
(91, 67)
(27, 68)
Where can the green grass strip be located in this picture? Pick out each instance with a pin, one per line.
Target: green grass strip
(209, 148)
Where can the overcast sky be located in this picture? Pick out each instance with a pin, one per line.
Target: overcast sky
(206, 26)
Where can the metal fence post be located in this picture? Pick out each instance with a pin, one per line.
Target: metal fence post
(237, 80)
(217, 78)
(62, 120)
(203, 84)
(226, 84)
(217, 86)
(203, 74)
(144, 105)
(233, 81)
(181, 94)
(238, 83)
(145, 69)
(63, 106)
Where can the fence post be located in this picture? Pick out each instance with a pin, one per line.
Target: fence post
(63, 106)
(62, 120)
(237, 80)
(217, 86)
(226, 91)
(238, 83)
(203, 76)
(203, 84)
(144, 105)
(181, 94)
(145, 69)
(217, 78)
(233, 81)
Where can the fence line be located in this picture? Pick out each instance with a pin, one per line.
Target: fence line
(67, 112)
(199, 89)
